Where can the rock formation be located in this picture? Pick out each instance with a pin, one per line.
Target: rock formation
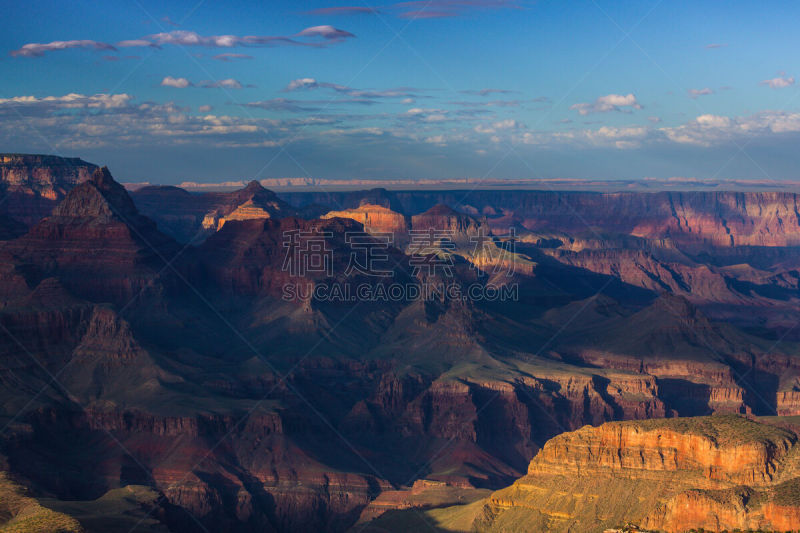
(95, 242)
(190, 218)
(189, 376)
(35, 184)
(715, 473)
(378, 219)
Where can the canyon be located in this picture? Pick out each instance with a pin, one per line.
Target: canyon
(148, 345)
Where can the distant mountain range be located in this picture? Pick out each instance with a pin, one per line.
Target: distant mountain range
(483, 183)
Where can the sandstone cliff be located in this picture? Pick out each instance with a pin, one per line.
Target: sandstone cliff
(377, 219)
(718, 473)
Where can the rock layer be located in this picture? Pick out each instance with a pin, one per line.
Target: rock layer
(719, 473)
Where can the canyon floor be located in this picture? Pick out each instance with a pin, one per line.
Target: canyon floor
(642, 368)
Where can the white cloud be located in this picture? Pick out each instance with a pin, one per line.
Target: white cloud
(708, 130)
(130, 43)
(610, 102)
(191, 38)
(39, 49)
(694, 93)
(713, 121)
(426, 115)
(228, 83)
(507, 124)
(178, 83)
(182, 83)
(312, 37)
(780, 82)
(315, 36)
(364, 96)
(354, 131)
(326, 32)
(231, 57)
(71, 101)
(301, 83)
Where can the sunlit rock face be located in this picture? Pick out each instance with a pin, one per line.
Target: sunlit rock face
(377, 219)
(193, 217)
(718, 473)
(36, 183)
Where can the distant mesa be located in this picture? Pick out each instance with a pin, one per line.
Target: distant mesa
(377, 219)
(252, 202)
(192, 217)
(459, 226)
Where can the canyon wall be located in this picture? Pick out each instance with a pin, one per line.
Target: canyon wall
(36, 183)
(718, 473)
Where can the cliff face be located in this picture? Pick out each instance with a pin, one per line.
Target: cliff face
(190, 218)
(458, 226)
(36, 183)
(722, 472)
(249, 409)
(252, 202)
(95, 242)
(377, 219)
(718, 218)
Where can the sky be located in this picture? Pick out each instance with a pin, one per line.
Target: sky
(209, 91)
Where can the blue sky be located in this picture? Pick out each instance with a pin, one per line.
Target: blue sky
(209, 91)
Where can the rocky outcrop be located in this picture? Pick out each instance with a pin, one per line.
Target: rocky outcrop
(729, 509)
(192, 217)
(708, 218)
(378, 219)
(788, 403)
(20, 512)
(458, 227)
(96, 243)
(722, 472)
(36, 183)
(252, 202)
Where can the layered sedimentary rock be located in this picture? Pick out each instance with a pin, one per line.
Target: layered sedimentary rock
(378, 219)
(720, 218)
(459, 227)
(719, 473)
(95, 242)
(36, 183)
(190, 218)
(252, 202)
(245, 408)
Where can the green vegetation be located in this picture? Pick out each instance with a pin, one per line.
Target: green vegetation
(787, 493)
(725, 430)
(452, 518)
(20, 513)
(117, 510)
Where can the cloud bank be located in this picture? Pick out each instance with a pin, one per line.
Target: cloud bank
(608, 103)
